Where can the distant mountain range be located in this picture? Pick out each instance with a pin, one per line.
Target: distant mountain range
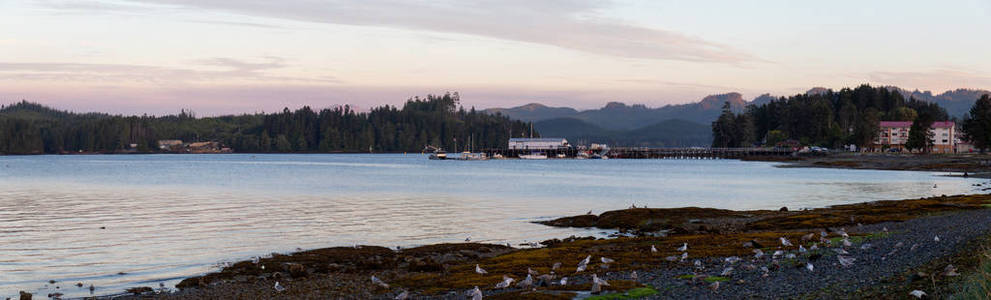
(956, 102)
(677, 125)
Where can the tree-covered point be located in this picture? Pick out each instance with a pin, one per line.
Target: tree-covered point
(830, 118)
(28, 128)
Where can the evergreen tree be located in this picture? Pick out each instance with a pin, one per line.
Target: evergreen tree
(977, 125)
(919, 135)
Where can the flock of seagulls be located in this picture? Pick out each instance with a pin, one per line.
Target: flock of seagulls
(843, 257)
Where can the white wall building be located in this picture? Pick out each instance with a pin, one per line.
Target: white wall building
(894, 134)
(537, 143)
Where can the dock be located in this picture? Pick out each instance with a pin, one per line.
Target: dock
(653, 153)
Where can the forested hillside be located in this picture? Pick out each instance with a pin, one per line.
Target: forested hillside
(667, 133)
(825, 118)
(28, 128)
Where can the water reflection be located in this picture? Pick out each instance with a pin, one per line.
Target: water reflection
(118, 221)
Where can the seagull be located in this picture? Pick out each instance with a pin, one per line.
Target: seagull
(379, 282)
(777, 253)
(606, 260)
(583, 264)
(556, 266)
(950, 270)
(846, 261)
(801, 249)
(597, 280)
(846, 242)
(402, 296)
(936, 239)
(633, 276)
(790, 256)
(479, 270)
(758, 253)
(684, 256)
(698, 264)
(589, 212)
(564, 280)
(714, 286)
(913, 247)
(727, 271)
(808, 237)
(506, 281)
(468, 239)
(278, 287)
(653, 249)
(476, 294)
(918, 294)
(814, 247)
(525, 283)
(785, 242)
(732, 259)
(531, 272)
(809, 266)
(683, 248)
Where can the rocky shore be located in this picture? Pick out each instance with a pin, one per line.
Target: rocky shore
(975, 165)
(882, 249)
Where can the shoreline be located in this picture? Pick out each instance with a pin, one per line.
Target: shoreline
(446, 271)
(972, 164)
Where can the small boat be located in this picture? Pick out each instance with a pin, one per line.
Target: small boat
(561, 155)
(498, 156)
(534, 155)
(439, 154)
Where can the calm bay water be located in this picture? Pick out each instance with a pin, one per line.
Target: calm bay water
(171, 216)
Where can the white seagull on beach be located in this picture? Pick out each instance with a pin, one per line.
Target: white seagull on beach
(597, 280)
(583, 264)
(476, 294)
(846, 261)
(607, 260)
(278, 287)
(526, 283)
(479, 270)
(785, 242)
(506, 281)
(917, 294)
(379, 282)
(683, 248)
(653, 249)
(402, 296)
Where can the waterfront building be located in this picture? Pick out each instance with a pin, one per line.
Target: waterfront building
(537, 143)
(894, 135)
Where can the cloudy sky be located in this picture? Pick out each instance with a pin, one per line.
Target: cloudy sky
(232, 56)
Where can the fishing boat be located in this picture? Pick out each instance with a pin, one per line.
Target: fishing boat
(534, 155)
(438, 154)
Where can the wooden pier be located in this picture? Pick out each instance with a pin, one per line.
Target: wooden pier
(653, 153)
(696, 153)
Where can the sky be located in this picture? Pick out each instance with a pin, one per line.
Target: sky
(244, 56)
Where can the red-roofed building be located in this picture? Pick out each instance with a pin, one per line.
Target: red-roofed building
(894, 134)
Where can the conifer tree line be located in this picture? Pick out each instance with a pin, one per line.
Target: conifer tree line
(29, 128)
(828, 119)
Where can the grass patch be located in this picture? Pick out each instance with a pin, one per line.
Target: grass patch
(712, 279)
(978, 284)
(637, 293)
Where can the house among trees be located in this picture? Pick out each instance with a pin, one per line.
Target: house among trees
(895, 135)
